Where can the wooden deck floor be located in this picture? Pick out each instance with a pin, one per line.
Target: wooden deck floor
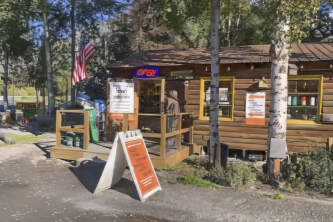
(102, 150)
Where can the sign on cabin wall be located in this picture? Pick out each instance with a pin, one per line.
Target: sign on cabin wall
(255, 108)
(129, 149)
(121, 97)
(147, 72)
(181, 75)
(223, 96)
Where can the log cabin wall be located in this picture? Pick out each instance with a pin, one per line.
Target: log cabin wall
(236, 134)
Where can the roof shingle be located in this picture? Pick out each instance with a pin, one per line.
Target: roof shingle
(304, 52)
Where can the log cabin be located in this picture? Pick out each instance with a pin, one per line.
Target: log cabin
(245, 70)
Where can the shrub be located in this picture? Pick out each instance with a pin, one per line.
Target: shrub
(234, 175)
(29, 113)
(194, 180)
(313, 170)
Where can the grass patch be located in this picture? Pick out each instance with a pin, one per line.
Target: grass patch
(24, 138)
(186, 167)
(276, 196)
(194, 180)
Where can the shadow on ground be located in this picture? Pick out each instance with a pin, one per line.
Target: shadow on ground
(90, 171)
(45, 147)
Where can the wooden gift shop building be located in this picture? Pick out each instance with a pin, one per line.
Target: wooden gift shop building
(244, 95)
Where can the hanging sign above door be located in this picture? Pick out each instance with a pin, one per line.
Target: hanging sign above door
(147, 72)
(181, 75)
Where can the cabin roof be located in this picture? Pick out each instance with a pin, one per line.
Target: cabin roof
(303, 52)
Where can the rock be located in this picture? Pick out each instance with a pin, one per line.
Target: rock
(6, 139)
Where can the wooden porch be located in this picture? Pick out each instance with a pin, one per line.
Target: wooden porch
(169, 138)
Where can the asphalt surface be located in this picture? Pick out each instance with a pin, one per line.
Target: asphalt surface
(34, 188)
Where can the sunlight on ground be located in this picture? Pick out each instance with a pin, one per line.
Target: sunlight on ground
(25, 138)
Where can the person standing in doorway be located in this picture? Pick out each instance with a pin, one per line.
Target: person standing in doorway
(172, 108)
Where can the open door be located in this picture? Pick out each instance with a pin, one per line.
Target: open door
(151, 95)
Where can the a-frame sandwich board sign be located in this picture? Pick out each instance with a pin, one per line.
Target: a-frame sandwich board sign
(129, 149)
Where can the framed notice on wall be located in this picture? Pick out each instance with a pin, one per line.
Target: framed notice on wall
(255, 108)
(121, 97)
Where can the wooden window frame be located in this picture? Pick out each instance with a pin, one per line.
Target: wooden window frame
(202, 97)
(320, 79)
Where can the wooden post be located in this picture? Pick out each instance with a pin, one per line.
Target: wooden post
(330, 143)
(86, 130)
(162, 96)
(125, 122)
(58, 125)
(179, 135)
(163, 136)
(191, 135)
(107, 120)
(276, 167)
(244, 154)
(136, 103)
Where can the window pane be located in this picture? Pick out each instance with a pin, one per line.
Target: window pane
(303, 99)
(225, 98)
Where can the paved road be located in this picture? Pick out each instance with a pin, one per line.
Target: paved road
(36, 189)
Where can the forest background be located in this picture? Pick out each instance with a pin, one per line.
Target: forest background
(118, 29)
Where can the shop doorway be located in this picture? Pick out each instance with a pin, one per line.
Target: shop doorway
(150, 96)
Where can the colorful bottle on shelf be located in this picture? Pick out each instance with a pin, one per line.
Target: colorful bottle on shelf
(294, 101)
(312, 101)
(303, 100)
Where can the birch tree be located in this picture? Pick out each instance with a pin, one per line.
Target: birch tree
(214, 143)
(287, 18)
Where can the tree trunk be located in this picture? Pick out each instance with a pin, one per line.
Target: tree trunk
(5, 76)
(66, 98)
(37, 98)
(279, 86)
(214, 145)
(73, 88)
(228, 34)
(48, 62)
(44, 99)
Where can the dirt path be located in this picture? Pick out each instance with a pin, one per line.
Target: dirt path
(36, 189)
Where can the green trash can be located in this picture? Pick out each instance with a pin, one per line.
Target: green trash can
(92, 124)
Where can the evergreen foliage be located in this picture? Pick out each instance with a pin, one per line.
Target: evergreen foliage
(234, 175)
(313, 171)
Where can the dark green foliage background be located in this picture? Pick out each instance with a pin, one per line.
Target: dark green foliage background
(313, 171)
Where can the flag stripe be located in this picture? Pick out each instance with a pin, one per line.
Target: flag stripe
(80, 71)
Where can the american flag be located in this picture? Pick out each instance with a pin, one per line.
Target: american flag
(86, 52)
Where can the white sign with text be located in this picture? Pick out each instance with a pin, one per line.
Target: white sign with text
(121, 97)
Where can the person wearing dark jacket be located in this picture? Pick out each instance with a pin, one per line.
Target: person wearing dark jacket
(172, 108)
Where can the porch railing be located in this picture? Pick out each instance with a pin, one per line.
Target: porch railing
(166, 129)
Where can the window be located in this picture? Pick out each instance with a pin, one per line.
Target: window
(226, 98)
(304, 99)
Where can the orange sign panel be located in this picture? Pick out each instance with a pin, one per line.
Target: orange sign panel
(255, 108)
(143, 169)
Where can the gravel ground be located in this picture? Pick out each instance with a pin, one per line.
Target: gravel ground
(34, 188)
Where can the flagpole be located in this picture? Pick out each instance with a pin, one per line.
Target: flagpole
(73, 88)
